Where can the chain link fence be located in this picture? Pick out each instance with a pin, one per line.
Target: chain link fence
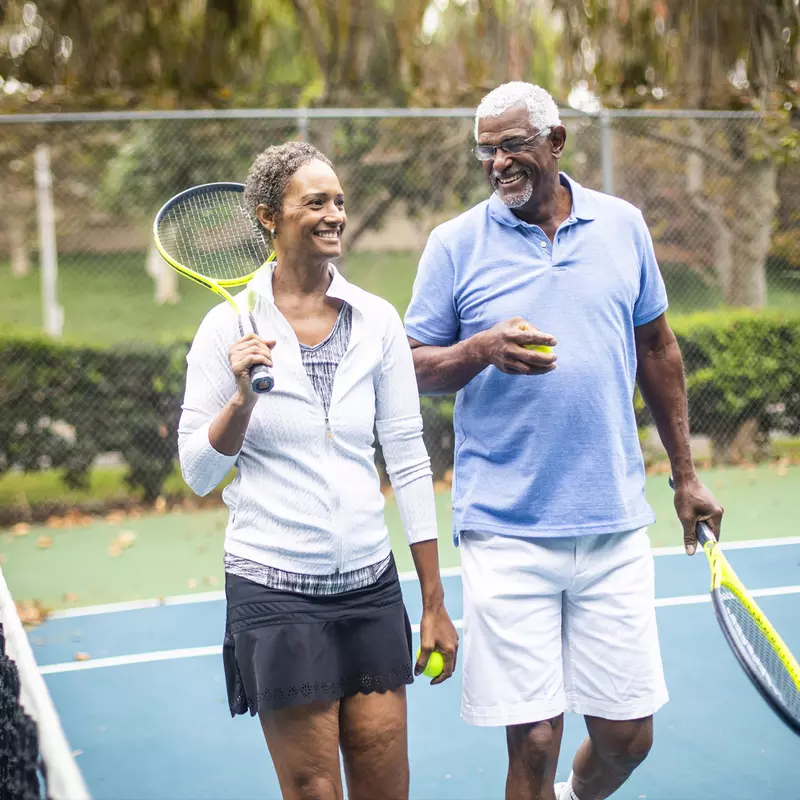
(724, 215)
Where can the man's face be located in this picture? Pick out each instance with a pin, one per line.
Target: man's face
(519, 177)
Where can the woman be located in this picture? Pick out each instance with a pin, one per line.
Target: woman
(317, 640)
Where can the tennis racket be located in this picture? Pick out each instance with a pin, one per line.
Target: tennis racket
(207, 234)
(763, 655)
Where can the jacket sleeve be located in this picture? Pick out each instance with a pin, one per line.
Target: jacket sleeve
(399, 427)
(209, 385)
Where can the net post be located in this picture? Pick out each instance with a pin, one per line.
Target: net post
(64, 779)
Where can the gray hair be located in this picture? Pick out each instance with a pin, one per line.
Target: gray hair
(271, 172)
(542, 109)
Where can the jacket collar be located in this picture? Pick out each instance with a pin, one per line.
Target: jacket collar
(340, 288)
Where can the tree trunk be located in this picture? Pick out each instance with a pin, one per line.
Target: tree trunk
(20, 263)
(741, 221)
(752, 230)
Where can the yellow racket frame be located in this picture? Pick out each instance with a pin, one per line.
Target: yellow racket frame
(261, 376)
(220, 287)
(723, 574)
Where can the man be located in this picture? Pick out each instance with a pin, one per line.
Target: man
(549, 505)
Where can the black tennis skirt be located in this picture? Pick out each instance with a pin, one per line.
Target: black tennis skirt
(285, 649)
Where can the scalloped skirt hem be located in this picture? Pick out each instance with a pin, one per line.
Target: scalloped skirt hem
(284, 649)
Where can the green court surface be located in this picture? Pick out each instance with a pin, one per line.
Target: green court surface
(157, 555)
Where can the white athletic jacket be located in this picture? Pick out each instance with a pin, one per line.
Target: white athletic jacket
(307, 497)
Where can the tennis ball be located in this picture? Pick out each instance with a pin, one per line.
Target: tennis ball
(541, 348)
(435, 664)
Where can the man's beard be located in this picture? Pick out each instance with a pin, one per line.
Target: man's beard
(515, 200)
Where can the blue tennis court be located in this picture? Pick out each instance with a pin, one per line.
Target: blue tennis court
(147, 713)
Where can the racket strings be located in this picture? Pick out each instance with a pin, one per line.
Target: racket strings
(213, 234)
(762, 651)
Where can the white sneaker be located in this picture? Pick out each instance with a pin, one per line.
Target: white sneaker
(559, 788)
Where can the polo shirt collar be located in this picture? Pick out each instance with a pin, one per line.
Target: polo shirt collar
(582, 205)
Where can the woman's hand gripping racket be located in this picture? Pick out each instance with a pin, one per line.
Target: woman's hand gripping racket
(763, 655)
(207, 234)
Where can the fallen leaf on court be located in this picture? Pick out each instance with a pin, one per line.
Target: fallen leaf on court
(73, 519)
(31, 612)
(201, 548)
(114, 549)
(192, 583)
(81, 657)
(70, 597)
(114, 517)
(125, 539)
(21, 529)
(210, 580)
(44, 542)
(55, 522)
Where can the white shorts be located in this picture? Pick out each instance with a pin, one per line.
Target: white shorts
(559, 624)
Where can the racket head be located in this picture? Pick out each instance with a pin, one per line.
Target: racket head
(207, 233)
(762, 654)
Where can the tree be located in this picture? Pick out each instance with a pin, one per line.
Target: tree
(714, 54)
(174, 53)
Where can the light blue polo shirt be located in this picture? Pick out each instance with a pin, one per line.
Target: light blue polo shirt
(555, 454)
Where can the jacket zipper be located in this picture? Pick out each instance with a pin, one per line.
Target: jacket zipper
(334, 499)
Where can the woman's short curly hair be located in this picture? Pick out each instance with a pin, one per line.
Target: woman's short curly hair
(271, 172)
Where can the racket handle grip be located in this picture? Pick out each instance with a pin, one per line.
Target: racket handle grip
(261, 380)
(704, 534)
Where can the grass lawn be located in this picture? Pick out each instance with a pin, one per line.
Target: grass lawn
(109, 297)
(126, 557)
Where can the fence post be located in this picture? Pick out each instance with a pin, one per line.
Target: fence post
(52, 313)
(606, 153)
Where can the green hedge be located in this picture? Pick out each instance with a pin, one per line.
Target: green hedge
(63, 405)
(741, 367)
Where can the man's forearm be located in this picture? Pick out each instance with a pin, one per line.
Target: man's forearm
(444, 370)
(662, 384)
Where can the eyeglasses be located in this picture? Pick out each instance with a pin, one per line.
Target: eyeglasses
(486, 152)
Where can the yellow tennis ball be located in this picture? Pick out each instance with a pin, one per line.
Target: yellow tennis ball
(542, 348)
(435, 664)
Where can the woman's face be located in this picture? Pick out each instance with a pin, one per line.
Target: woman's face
(313, 218)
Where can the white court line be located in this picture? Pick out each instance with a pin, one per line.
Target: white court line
(405, 577)
(136, 605)
(214, 650)
(747, 544)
